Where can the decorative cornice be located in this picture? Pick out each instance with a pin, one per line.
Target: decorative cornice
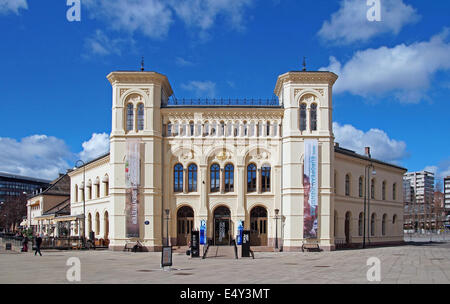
(305, 78)
(140, 78)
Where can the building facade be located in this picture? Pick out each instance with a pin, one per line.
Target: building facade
(174, 164)
(422, 210)
(15, 185)
(447, 200)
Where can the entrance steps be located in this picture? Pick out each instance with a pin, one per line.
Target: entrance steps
(222, 252)
(263, 249)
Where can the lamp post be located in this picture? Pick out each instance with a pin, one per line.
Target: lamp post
(167, 226)
(83, 238)
(367, 199)
(277, 211)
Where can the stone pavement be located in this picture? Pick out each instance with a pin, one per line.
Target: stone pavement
(418, 263)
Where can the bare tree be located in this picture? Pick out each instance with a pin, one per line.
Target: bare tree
(438, 186)
(12, 211)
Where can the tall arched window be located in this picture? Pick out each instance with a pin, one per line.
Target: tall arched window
(191, 128)
(97, 224)
(178, 178)
(394, 192)
(169, 129)
(372, 225)
(140, 117)
(361, 181)
(303, 117)
(192, 176)
(265, 178)
(229, 178)
(360, 224)
(215, 178)
(347, 185)
(313, 117)
(372, 189)
(76, 194)
(383, 225)
(383, 191)
(130, 117)
(268, 129)
(245, 128)
(251, 178)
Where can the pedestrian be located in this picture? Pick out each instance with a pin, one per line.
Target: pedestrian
(25, 241)
(38, 245)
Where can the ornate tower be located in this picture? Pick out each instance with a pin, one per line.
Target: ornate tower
(307, 100)
(135, 160)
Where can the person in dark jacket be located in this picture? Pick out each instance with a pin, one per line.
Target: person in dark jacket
(25, 241)
(38, 245)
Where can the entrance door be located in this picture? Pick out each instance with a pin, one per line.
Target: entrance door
(185, 224)
(347, 228)
(258, 227)
(222, 226)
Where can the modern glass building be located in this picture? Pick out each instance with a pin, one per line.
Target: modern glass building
(15, 185)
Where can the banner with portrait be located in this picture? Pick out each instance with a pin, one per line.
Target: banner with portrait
(311, 189)
(132, 182)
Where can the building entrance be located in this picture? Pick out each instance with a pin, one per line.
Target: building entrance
(258, 227)
(185, 224)
(222, 226)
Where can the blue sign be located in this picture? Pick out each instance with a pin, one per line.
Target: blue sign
(202, 232)
(240, 230)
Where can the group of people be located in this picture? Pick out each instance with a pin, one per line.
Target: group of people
(38, 242)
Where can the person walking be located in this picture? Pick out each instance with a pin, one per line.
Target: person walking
(25, 241)
(38, 245)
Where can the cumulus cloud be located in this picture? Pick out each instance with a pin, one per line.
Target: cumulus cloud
(440, 171)
(154, 18)
(382, 146)
(350, 24)
(406, 71)
(97, 146)
(201, 88)
(12, 6)
(100, 44)
(37, 156)
(181, 62)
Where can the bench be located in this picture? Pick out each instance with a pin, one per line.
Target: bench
(133, 246)
(312, 247)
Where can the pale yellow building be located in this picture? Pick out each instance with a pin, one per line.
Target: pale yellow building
(226, 161)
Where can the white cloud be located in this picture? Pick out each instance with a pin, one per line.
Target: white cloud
(349, 24)
(382, 147)
(406, 71)
(97, 146)
(101, 44)
(440, 171)
(203, 14)
(181, 62)
(8, 6)
(201, 88)
(152, 18)
(37, 156)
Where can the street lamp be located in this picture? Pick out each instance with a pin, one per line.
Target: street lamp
(276, 227)
(367, 199)
(167, 226)
(84, 201)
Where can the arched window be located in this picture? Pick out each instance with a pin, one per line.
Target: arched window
(191, 128)
(268, 129)
(169, 129)
(394, 219)
(372, 189)
(313, 117)
(178, 178)
(383, 225)
(251, 178)
(245, 128)
(303, 117)
(347, 185)
(222, 128)
(130, 117)
(76, 194)
(372, 225)
(383, 191)
(229, 178)
(215, 178)
(394, 192)
(265, 178)
(360, 224)
(192, 176)
(97, 224)
(140, 117)
(361, 181)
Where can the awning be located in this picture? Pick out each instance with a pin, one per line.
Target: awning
(68, 218)
(45, 217)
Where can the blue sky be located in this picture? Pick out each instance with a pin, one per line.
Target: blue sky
(392, 93)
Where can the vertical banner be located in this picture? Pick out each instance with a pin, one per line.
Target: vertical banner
(132, 182)
(311, 188)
